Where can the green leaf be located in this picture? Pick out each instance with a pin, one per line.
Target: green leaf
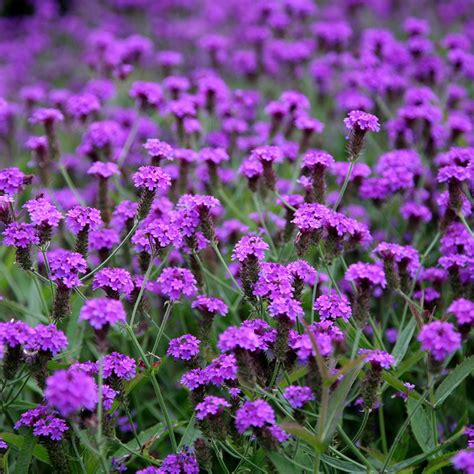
(293, 377)
(38, 451)
(337, 402)
(147, 437)
(437, 463)
(403, 341)
(26, 453)
(343, 466)
(449, 384)
(281, 464)
(302, 433)
(420, 426)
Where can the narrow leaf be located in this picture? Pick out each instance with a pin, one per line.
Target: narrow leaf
(449, 384)
(403, 341)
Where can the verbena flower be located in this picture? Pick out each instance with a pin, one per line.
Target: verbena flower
(102, 312)
(46, 338)
(61, 391)
(211, 406)
(184, 347)
(176, 282)
(298, 396)
(119, 365)
(333, 306)
(114, 281)
(439, 339)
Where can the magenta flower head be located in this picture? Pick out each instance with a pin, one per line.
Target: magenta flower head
(378, 360)
(366, 276)
(439, 339)
(44, 216)
(114, 281)
(147, 94)
(333, 306)
(21, 236)
(103, 170)
(252, 169)
(267, 155)
(46, 339)
(12, 180)
(62, 392)
(250, 247)
(463, 310)
(66, 266)
(150, 179)
(249, 251)
(298, 396)
(119, 366)
(211, 407)
(185, 347)
(158, 151)
(210, 305)
(81, 218)
(46, 117)
(236, 338)
(176, 282)
(256, 414)
(464, 461)
(183, 462)
(359, 123)
(102, 312)
(45, 423)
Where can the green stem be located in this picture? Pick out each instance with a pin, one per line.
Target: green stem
(221, 258)
(142, 290)
(161, 330)
(344, 185)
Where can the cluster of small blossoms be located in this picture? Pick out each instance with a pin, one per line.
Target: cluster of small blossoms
(263, 205)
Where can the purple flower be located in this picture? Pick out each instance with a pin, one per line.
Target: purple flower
(158, 149)
(147, 94)
(249, 246)
(14, 333)
(378, 358)
(239, 338)
(439, 339)
(194, 379)
(302, 270)
(80, 218)
(151, 178)
(452, 173)
(102, 312)
(366, 273)
(184, 347)
(211, 406)
(176, 282)
(403, 255)
(222, 369)
(256, 414)
(46, 339)
(298, 396)
(3, 444)
(303, 345)
(12, 180)
(310, 217)
(282, 305)
(62, 392)
(333, 305)
(103, 170)
(463, 309)
(214, 155)
(464, 461)
(359, 120)
(183, 462)
(44, 423)
(103, 239)
(317, 158)
(20, 235)
(210, 305)
(42, 212)
(119, 365)
(81, 106)
(113, 279)
(46, 116)
(65, 267)
(123, 213)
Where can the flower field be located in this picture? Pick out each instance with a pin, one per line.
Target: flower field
(236, 236)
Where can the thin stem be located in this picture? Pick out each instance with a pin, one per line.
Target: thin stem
(142, 290)
(344, 185)
(161, 330)
(466, 225)
(221, 258)
(156, 387)
(71, 186)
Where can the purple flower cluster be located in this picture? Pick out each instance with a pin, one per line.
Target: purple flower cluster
(297, 396)
(45, 423)
(102, 312)
(439, 339)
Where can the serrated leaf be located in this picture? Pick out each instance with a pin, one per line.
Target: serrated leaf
(420, 426)
(452, 381)
(26, 453)
(39, 452)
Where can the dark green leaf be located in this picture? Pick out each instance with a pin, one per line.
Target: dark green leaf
(403, 341)
(343, 466)
(39, 452)
(420, 426)
(449, 384)
(283, 465)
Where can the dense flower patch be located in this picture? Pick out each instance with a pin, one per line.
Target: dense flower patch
(236, 236)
